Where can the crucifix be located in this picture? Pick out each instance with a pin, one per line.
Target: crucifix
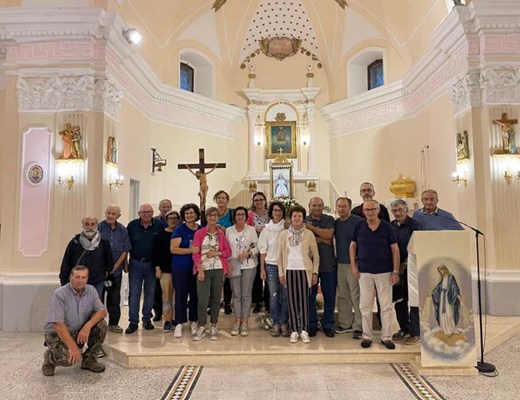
(201, 175)
(508, 134)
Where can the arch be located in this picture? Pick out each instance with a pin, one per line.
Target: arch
(204, 76)
(357, 75)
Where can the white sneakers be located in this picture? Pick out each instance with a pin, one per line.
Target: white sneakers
(294, 337)
(213, 333)
(236, 329)
(244, 329)
(177, 333)
(305, 337)
(194, 327)
(200, 334)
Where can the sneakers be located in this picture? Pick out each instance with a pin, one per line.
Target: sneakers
(305, 337)
(194, 327)
(167, 326)
(48, 367)
(285, 331)
(115, 329)
(358, 335)
(244, 329)
(131, 329)
(235, 331)
(276, 331)
(177, 333)
(340, 330)
(148, 326)
(388, 344)
(100, 353)
(200, 334)
(294, 337)
(366, 343)
(213, 333)
(410, 340)
(91, 364)
(399, 335)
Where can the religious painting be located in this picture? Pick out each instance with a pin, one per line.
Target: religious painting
(280, 47)
(112, 150)
(447, 323)
(281, 136)
(34, 174)
(462, 146)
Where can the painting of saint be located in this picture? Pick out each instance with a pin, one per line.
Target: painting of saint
(281, 135)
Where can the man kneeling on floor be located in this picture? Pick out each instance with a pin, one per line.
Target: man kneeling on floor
(76, 317)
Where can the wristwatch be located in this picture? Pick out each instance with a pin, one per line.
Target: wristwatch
(396, 272)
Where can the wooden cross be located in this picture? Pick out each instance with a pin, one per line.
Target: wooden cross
(508, 134)
(201, 175)
(504, 121)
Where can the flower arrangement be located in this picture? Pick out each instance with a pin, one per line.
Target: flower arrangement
(287, 202)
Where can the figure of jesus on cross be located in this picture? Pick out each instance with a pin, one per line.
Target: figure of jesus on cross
(201, 176)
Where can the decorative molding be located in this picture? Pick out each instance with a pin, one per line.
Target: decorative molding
(32, 278)
(501, 85)
(91, 36)
(465, 92)
(477, 35)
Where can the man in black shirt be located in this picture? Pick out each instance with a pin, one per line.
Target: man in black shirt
(367, 192)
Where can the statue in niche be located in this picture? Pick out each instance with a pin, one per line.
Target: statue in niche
(462, 146)
(508, 134)
(112, 150)
(71, 138)
(281, 188)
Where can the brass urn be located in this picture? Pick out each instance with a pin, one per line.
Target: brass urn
(403, 187)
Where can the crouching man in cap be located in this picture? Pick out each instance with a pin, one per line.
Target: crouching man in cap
(76, 317)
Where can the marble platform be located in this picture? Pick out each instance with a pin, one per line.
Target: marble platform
(158, 348)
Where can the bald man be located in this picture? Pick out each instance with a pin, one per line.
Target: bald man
(141, 271)
(89, 249)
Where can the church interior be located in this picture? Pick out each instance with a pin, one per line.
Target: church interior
(128, 102)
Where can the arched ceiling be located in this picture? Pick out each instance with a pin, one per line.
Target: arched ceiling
(319, 23)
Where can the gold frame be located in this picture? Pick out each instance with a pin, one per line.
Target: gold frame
(294, 133)
(281, 162)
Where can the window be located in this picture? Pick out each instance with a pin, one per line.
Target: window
(187, 77)
(375, 74)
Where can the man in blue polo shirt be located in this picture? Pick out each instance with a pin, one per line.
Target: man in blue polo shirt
(374, 257)
(431, 217)
(142, 232)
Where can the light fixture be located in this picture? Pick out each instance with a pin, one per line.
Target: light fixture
(509, 164)
(118, 182)
(69, 181)
(508, 176)
(132, 36)
(64, 168)
(157, 162)
(458, 178)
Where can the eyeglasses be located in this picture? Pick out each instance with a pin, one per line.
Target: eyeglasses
(172, 219)
(370, 210)
(366, 190)
(145, 212)
(258, 200)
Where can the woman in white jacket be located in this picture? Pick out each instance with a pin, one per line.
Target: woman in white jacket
(243, 241)
(268, 247)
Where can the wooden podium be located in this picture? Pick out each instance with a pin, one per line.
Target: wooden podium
(439, 283)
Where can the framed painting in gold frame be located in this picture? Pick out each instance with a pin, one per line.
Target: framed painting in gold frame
(281, 135)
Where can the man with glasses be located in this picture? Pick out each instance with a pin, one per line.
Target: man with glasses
(115, 234)
(404, 228)
(374, 257)
(142, 232)
(367, 192)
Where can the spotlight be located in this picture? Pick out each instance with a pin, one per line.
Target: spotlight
(132, 36)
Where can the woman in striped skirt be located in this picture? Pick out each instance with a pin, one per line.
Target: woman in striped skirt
(298, 263)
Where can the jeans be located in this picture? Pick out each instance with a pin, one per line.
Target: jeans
(112, 301)
(329, 282)
(242, 287)
(185, 284)
(277, 297)
(100, 286)
(139, 273)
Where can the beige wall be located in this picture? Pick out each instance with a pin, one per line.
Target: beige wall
(2, 127)
(380, 154)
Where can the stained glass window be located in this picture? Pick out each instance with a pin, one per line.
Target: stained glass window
(375, 75)
(187, 77)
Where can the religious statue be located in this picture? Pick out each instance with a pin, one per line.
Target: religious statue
(508, 134)
(281, 189)
(462, 146)
(112, 150)
(71, 138)
(203, 184)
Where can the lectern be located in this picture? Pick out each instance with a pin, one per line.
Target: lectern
(439, 283)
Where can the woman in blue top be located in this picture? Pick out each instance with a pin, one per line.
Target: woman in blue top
(184, 282)
(225, 220)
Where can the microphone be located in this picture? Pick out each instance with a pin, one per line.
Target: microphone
(460, 222)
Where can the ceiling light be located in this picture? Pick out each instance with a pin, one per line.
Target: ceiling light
(132, 36)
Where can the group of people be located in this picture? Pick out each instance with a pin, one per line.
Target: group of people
(183, 267)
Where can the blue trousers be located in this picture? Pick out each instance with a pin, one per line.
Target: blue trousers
(328, 282)
(139, 273)
(277, 296)
(185, 284)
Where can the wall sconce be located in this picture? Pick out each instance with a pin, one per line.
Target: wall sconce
(252, 187)
(157, 162)
(116, 183)
(508, 176)
(65, 170)
(458, 178)
(69, 181)
(510, 164)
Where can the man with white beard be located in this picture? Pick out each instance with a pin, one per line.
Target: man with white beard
(88, 249)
